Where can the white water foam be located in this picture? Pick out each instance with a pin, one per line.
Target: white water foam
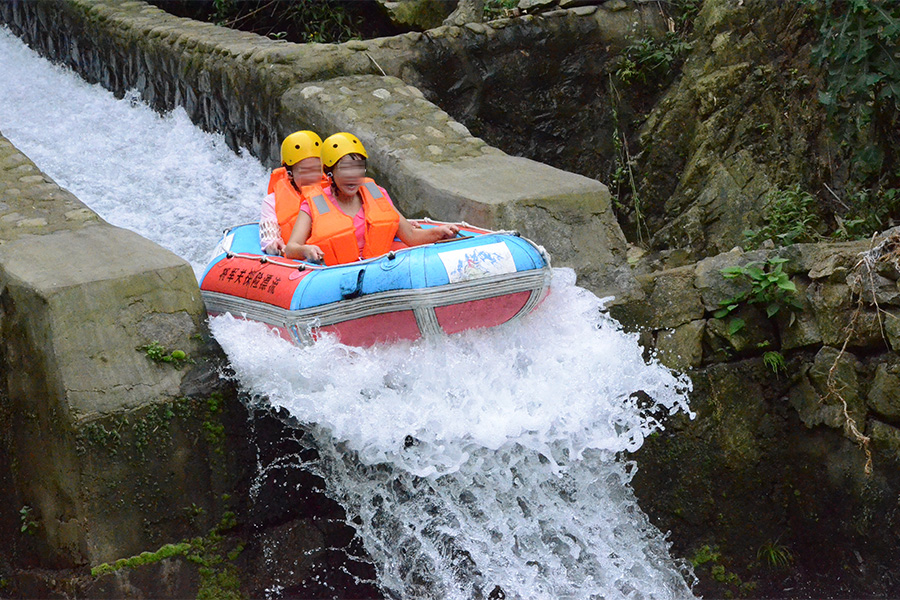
(487, 461)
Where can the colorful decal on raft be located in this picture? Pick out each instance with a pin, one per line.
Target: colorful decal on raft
(478, 261)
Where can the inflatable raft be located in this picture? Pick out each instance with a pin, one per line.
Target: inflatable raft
(480, 278)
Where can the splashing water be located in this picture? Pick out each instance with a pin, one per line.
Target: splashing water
(487, 459)
(483, 462)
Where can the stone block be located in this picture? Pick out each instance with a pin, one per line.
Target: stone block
(674, 301)
(665, 300)
(884, 391)
(834, 385)
(725, 339)
(886, 439)
(809, 406)
(681, 348)
(891, 322)
(72, 333)
(873, 288)
(713, 286)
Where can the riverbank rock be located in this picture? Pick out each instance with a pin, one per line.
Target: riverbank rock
(737, 124)
(795, 444)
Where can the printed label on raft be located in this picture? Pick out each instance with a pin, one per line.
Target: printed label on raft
(479, 261)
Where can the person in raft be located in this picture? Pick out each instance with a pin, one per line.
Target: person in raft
(353, 218)
(301, 165)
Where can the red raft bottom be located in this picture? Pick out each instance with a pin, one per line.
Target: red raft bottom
(402, 325)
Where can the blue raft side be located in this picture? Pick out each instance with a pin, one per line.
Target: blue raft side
(246, 241)
(409, 269)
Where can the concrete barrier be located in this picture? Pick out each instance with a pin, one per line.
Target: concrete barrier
(93, 450)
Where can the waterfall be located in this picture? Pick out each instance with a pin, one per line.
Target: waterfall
(493, 463)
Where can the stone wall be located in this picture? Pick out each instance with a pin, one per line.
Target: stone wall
(78, 298)
(538, 85)
(796, 443)
(255, 90)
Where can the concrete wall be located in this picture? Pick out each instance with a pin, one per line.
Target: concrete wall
(78, 298)
(256, 90)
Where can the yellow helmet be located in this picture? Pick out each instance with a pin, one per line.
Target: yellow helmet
(300, 145)
(337, 146)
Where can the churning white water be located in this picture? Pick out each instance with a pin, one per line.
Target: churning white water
(488, 463)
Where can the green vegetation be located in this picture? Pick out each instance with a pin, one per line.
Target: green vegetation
(648, 61)
(775, 555)
(96, 434)
(218, 575)
(156, 419)
(870, 210)
(704, 555)
(769, 285)
(857, 52)
(213, 429)
(651, 61)
(323, 21)
(159, 354)
(790, 217)
(626, 196)
(144, 558)
(29, 525)
(137, 432)
(709, 557)
(775, 361)
(644, 67)
(495, 9)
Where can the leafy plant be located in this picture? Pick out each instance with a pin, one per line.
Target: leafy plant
(869, 210)
(494, 9)
(775, 555)
(769, 286)
(159, 354)
(775, 361)
(650, 59)
(858, 50)
(29, 525)
(790, 217)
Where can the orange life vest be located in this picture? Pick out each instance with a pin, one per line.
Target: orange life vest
(287, 200)
(333, 231)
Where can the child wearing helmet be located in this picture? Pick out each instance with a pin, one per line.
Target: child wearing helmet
(301, 165)
(351, 217)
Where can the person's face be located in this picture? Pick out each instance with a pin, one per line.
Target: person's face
(308, 171)
(348, 174)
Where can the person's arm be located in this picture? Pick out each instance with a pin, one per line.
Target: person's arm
(297, 247)
(269, 231)
(412, 236)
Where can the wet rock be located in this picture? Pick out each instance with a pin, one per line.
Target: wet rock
(682, 348)
(835, 383)
(886, 439)
(884, 392)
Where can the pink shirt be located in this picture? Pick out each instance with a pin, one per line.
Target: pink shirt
(359, 219)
